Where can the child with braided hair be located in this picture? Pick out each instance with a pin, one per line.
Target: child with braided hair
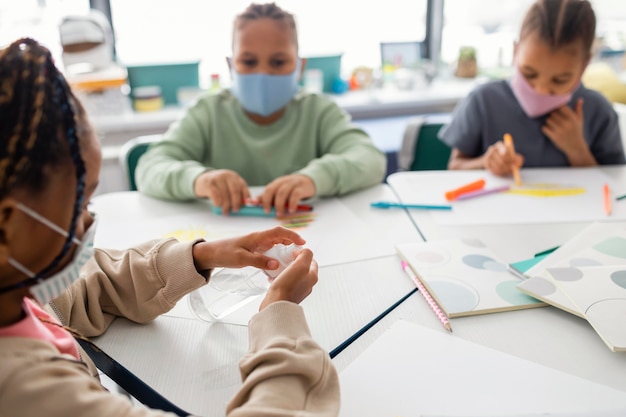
(51, 276)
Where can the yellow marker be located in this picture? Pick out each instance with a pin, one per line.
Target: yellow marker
(548, 192)
(508, 142)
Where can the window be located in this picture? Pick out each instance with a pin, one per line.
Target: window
(38, 19)
(492, 26)
(152, 31)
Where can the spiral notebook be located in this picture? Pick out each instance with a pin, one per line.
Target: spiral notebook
(465, 277)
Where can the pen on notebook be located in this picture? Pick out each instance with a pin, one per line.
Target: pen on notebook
(429, 299)
(607, 199)
(388, 204)
(508, 142)
(483, 192)
(457, 192)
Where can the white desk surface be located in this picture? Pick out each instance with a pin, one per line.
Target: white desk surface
(513, 242)
(204, 373)
(545, 335)
(197, 361)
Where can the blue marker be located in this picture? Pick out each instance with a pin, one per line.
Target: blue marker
(387, 204)
(254, 211)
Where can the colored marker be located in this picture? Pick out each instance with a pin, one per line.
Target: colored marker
(607, 199)
(256, 210)
(483, 192)
(508, 142)
(388, 204)
(472, 186)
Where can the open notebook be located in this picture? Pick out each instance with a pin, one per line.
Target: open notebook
(415, 371)
(597, 244)
(465, 277)
(587, 277)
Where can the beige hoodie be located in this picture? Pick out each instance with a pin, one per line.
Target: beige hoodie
(284, 373)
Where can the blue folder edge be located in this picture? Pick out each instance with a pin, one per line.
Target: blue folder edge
(524, 265)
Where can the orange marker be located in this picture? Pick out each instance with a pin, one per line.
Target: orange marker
(472, 186)
(508, 142)
(607, 199)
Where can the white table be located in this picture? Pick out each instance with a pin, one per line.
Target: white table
(515, 240)
(544, 335)
(197, 360)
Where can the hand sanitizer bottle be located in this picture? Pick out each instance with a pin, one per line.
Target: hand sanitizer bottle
(231, 288)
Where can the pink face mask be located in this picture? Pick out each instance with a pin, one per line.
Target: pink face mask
(533, 103)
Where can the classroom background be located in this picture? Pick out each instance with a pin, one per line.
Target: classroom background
(384, 62)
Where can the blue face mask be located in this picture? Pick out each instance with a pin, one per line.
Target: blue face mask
(264, 94)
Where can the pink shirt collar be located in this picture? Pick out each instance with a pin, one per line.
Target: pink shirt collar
(31, 327)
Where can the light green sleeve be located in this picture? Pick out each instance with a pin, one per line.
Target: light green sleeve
(349, 160)
(170, 166)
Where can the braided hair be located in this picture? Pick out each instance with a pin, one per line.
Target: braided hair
(38, 125)
(561, 22)
(267, 11)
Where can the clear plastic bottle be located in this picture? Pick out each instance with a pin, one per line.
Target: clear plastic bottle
(231, 288)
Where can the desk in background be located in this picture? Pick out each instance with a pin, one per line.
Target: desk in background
(382, 113)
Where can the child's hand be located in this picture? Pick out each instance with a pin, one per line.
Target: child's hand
(224, 187)
(286, 193)
(243, 251)
(499, 161)
(564, 127)
(295, 283)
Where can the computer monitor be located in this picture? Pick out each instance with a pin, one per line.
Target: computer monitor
(401, 54)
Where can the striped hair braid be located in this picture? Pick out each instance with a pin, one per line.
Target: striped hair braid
(38, 124)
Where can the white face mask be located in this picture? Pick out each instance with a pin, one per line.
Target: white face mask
(47, 289)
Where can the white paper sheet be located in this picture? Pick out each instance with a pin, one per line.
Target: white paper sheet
(554, 196)
(415, 371)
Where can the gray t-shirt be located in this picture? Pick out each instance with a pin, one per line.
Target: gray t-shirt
(491, 110)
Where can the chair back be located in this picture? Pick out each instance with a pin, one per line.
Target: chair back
(421, 148)
(130, 153)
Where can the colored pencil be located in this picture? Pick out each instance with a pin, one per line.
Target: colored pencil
(508, 142)
(336, 351)
(429, 299)
(621, 197)
(483, 192)
(387, 204)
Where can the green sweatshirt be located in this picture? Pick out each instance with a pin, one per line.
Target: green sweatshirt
(314, 137)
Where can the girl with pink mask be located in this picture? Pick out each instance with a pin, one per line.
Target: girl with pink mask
(554, 119)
